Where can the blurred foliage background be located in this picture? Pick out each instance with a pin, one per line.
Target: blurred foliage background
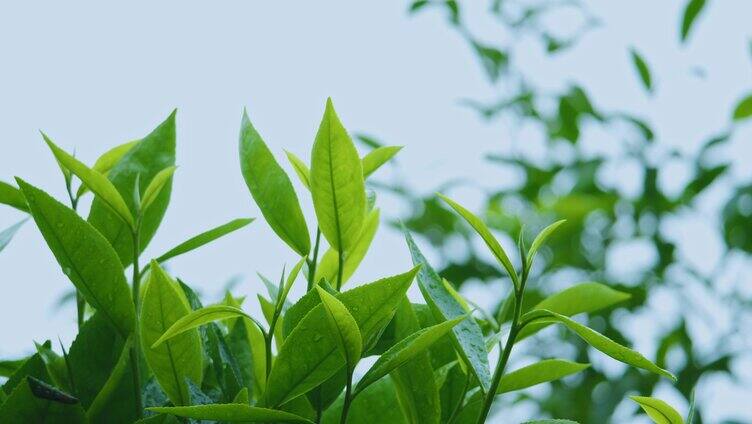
(603, 221)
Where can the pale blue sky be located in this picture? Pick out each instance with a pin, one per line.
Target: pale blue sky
(93, 75)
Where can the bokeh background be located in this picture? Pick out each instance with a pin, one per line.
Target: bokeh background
(526, 111)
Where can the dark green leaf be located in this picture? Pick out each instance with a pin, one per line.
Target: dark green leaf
(691, 11)
(231, 412)
(642, 70)
(743, 109)
(33, 401)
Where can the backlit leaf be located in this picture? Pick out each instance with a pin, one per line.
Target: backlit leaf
(344, 327)
(378, 157)
(301, 169)
(155, 186)
(200, 317)
(327, 268)
(537, 373)
(107, 161)
(205, 238)
(659, 411)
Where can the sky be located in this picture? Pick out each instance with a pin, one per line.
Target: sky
(92, 75)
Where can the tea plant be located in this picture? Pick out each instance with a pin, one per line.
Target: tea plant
(149, 351)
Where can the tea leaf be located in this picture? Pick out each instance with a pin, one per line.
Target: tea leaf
(467, 335)
(582, 298)
(7, 234)
(180, 357)
(405, 350)
(309, 355)
(691, 11)
(97, 183)
(599, 341)
(231, 412)
(659, 411)
(551, 421)
(271, 189)
(12, 197)
(328, 267)
(33, 401)
(378, 403)
(378, 157)
(486, 235)
(33, 366)
(343, 325)
(107, 161)
(537, 373)
(642, 70)
(155, 186)
(144, 160)
(743, 109)
(288, 283)
(200, 317)
(111, 398)
(204, 238)
(301, 169)
(540, 239)
(337, 186)
(242, 397)
(85, 257)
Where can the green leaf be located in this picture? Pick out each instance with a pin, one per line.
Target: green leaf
(156, 185)
(467, 335)
(691, 412)
(97, 183)
(599, 341)
(204, 238)
(301, 169)
(337, 186)
(7, 234)
(309, 355)
(13, 197)
(659, 411)
(406, 350)
(540, 239)
(327, 268)
(107, 161)
(486, 235)
(242, 397)
(582, 298)
(343, 325)
(691, 12)
(378, 157)
(282, 297)
(181, 356)
(9, 366)
(116, 395)
(271, 189)
(32, 367)
(143, 160)
(200, 317)
(85, 257)
(642, 70)
(551, 421)
(743, 109)
(537, 373)
(34, 401)
(379, 403)
(231, 412)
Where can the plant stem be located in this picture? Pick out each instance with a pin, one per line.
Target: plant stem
(314, 261)
(80, 302)
(499, 372)
(340, 266)
(135, 357)
(348, 399)
(458, 406)
(268, 350)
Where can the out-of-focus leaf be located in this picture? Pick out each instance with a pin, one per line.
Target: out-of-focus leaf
(659, 411)
(205, 238)
(537, 373)
(691, 11)
(7, 234)
(743, 109)
(642, 70)
(231, 412)
(13, 197)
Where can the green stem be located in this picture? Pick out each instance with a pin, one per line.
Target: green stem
(314, 261)
(80, 302)
(135, 357)
(458, 406)
(340, 268)
(348, 399)
(268, 350)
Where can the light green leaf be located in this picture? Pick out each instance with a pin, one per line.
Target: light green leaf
(540, 239)
(301, 169)
(642, 70)
(743, 109)
(309, 355)
(107, 161)
(242, 397)
(691, 11)
(85, 257)
(582, 298)
(406, 350)
(97, 183)
(200, 317)
(378, 157)
(551, 421)
(156, 185)
(327, 268)
(659, 411)
(12, 197)
(204, 238)
(271, 189)
(467, 335)
(231, 412)
(144, 160)
(34, 401)
(288, 284)
(599, 341)
(486, 235)
(343, 325)
(7, 234)
(337, 186)
(537, 373)
(181, 356)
